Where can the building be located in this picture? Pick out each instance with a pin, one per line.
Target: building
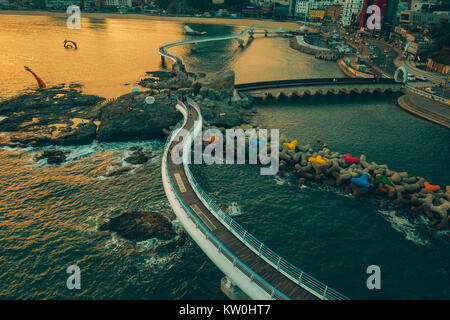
(302, 8)
(423, 18)
(423, 6)
(117, 3)
(63, 3)
(316, 14)
(320, 4)
(351, 10)
(333, 13)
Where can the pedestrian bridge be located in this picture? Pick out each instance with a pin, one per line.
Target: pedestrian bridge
(240, 37)
(258, 271)
(318, 86)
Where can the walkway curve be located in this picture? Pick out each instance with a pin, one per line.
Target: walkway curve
(257, 270)
(239, 36)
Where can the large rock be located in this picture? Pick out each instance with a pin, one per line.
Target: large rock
(49, 117)
(52, 156)
(139, 157)
(130, 118)
(139, 226)
(221, 81)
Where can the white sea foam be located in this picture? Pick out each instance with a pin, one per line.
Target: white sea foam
(234, 209)
(404, 226)
(115, 242)
(279, 181)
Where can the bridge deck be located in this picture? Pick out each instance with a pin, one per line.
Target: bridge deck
(229, 240)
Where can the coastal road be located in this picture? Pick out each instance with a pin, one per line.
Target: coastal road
(412, 69)
(426, 108)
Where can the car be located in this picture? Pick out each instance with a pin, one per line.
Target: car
(430, 90)
(411, 77)
(421, 78)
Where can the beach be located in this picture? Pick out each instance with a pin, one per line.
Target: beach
(185, 19)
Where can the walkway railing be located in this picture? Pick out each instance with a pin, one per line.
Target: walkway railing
(296, 275)
(163, 49)
(255, 278)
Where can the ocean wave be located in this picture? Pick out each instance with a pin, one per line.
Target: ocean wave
(404, 226)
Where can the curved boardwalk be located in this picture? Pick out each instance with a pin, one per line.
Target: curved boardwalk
(252, 269)
(238, 36)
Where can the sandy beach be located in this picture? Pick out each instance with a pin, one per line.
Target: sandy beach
(222, 21)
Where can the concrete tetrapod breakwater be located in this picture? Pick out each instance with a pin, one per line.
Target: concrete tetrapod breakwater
(413, 196)
(360, 177)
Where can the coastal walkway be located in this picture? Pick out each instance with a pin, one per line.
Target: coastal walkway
(318, 86)
(258, 271)
(240, 37)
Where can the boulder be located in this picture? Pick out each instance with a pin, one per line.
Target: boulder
(140, 225)
(52, 156)
(118, 172)
(221, 81)
(130, 118)
(139, 157)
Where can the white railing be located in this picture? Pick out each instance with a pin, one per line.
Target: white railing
(427, 95)
(290, 271)
(237, 263)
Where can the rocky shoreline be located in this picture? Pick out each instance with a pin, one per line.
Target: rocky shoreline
(65, 116)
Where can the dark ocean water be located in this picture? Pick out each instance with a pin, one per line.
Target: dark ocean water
(49, 215)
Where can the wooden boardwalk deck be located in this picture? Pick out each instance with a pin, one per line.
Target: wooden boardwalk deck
(229, 240)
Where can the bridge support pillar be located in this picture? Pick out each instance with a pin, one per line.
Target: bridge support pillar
(241, 43)
(231, 290)
(265, 33)
(163, 60)
(251, 35)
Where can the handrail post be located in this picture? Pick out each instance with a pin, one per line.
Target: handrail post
(300, 278)
(325, 292)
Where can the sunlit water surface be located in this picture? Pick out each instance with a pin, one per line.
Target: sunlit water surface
(49, 215)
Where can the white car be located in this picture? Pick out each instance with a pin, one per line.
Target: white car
(411, 77)
(421, 78)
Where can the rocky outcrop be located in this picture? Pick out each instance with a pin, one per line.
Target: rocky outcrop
(54, 116)
(118, 171)
(130, 118)
(221, 81)
(139, 157)
(140, 225)
(52, 156)
(59, 116)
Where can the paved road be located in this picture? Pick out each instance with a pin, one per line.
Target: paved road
(426, 108)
